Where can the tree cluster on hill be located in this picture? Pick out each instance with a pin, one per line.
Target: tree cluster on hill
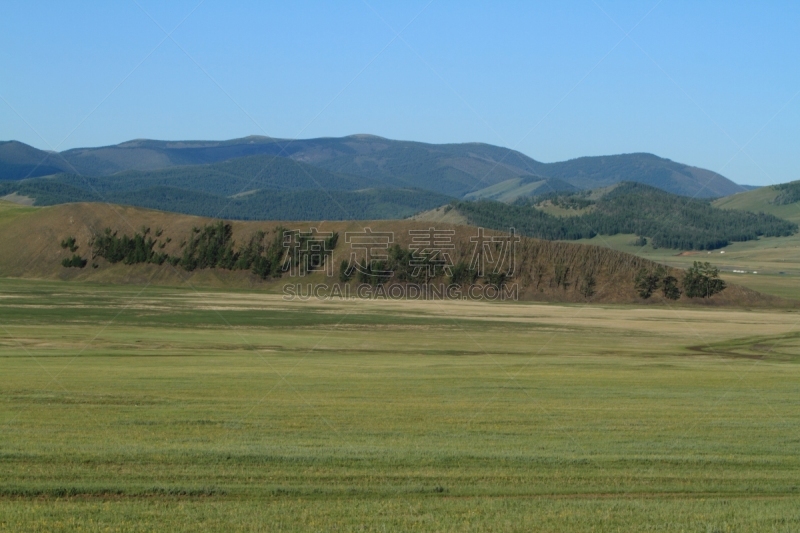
(789, 193)
(271, 254)
(128, 250)
(212, 246)
(701, 280)
(669, 221)
(402, 265)
(649, 281)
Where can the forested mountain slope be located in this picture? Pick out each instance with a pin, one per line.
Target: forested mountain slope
(452, 169)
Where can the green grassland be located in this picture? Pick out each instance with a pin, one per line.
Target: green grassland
(508, 190)
(135, 408)
(760, 200)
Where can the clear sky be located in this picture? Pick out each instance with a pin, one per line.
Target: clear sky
(712, 84)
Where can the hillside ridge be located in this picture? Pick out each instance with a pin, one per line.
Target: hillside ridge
(544, 270)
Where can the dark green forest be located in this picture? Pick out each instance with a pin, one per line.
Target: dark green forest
(314, 204)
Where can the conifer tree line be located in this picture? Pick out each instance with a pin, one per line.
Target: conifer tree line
(210, 246)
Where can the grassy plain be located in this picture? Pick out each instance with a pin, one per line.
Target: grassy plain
(125, 408)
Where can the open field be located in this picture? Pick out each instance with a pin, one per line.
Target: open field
(125, 408)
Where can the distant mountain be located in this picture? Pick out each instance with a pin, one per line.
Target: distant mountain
(145, 154)
(228, 178)
(677, 178)
(19, 161)
(455, 170)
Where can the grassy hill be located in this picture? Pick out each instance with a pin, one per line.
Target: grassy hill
(451, 169)
(31, 247)
(666, 220)
(511, 190)
(780, 200)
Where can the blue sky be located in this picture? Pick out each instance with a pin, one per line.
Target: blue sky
(712, 84)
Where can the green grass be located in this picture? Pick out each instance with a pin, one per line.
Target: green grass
(130, 409)
(10, 211)
(760, 200)
(508, 190)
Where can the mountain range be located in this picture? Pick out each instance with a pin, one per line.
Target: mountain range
(226, 170)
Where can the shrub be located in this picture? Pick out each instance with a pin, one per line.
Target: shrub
(69, 242)
(345, 274)
(75, 261)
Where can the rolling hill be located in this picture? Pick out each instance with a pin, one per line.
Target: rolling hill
(780, 200)
(455, 170)
(516, 188)
(666, 220)
(34, 242)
